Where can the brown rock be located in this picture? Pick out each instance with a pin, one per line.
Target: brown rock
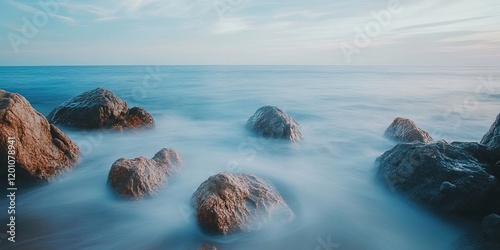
(99, 108)
(406, 131)
(41, 150)
(140, 177)
(272, 122)
(230, 203)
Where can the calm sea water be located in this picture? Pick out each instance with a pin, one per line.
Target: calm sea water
(327, 179)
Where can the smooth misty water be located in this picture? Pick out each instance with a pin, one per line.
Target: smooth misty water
(328, 178)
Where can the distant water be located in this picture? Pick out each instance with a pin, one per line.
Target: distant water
(327, 179)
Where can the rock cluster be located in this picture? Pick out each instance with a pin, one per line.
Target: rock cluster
(99, 108)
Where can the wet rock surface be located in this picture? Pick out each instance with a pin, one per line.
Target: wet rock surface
(99, 108)
(406, 131)
(141, 177)
(448, 177)
(231, 203)
(41, 150)
(272, 122)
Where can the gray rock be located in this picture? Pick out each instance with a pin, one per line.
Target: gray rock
(406, 131)
(41, 150)
(99, 108)
(492, 137)
(230, 203)
(141, 177)
(442, 176)
(272, 122)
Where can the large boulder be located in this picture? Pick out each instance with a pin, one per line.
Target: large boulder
(41, 150)
(99, 108)
(406, 131)
(141, 177)
(230, 203)
(450, 178)
(485, 238)
(272, 122)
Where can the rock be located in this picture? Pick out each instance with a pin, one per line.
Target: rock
(230, 203)
(272, 122)
(41, 150)
(492, 137)
(491, 227)
(99, 108)
(406, 131)
(442, 176)
(492, 140)
(486, 237)
(141, 177)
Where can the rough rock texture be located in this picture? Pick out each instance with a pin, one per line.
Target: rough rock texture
(41, 149)
(99, 108)
(450, 178)
(487, 237)
(140, 177)
(492, 140)
(269, 121)
(405, 130)
(230, 203)
(492, 137)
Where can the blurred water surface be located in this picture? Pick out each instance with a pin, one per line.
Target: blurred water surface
(328, 178)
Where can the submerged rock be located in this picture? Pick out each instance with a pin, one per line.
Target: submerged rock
(140, 177)
(406, 131)
(230, 203)
(41, 150)
(99, 108)
(207, 246)
(485, 238)
(272, 122)
(446, 177)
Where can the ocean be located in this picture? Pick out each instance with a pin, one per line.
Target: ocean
(328, 179)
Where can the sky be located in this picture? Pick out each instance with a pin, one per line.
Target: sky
(250, 32)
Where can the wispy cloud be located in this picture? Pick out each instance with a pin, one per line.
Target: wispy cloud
(439, 24)
(230, 26)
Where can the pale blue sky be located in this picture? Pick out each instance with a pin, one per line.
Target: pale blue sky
(115, 32)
